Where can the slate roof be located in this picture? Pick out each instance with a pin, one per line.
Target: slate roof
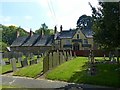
(34, 40)
(19, 41)
(87, 32)
(44, 41)
(31, 40)
(66, 34)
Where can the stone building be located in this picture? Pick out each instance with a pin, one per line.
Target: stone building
(72, 39)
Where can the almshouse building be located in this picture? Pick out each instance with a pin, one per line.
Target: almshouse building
(72, 39)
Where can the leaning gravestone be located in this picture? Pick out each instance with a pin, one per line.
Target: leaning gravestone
(68, 55)
(13, 62)
(65, 55)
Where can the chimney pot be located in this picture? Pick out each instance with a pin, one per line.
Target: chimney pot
(17, 34)
(31, 32)
(55, 30)
(61, 28)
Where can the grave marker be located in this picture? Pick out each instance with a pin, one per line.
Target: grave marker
(50, 61)
(13, 62)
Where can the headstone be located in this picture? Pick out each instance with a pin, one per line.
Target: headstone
(13, 62)
(50, 61)
(38, 59)
(45, 64)
(33, 62)
(61, 58)
(57, 58)
(68, 55)
(2, 62)
(24, 63)
(74, 54)
(71, 54)
(19, 59)
(65, 55)
(54, 59)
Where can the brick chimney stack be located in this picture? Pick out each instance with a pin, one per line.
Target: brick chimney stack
(17, 34)
(31, 32)
(55, 29)
(61, 28)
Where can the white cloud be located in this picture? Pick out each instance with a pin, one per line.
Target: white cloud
(28, 17)
(5, 19)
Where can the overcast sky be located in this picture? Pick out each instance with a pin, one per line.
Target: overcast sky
(32, 13)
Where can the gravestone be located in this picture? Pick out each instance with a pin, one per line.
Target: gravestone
(61, 58)
(24, 62)
(13, 62)
(68, 55)
(2, 62)
(19, 59)
(33, 62)
(74, 54)
(57, 58)
(54, 59)
(38, 59)
(65, 55)
(71, 54)
(50, 61)
(45, 64)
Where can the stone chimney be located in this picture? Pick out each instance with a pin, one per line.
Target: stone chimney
(17, 34)
(31, 32)
(42, 33)
(55, 30)
(61, 28)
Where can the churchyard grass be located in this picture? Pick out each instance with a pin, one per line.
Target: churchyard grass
(76, 71)
(30, 71)
(7, 68)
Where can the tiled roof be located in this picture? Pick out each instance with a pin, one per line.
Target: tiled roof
(66, 34)
(31, 40)
(19, 41)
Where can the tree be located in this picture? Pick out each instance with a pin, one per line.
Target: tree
(84, 22)
(44, 29)
(106, 25)
(9, 33)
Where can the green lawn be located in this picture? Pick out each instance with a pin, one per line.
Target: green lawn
(75, 71)
(7, 68)
(30, 71)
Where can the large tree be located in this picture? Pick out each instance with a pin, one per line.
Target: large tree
(44, 29)
(9, 33)
(84, 22)
(106, 25)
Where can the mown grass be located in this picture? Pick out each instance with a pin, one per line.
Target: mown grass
(76, 71)
(30, 71)
(8, 68)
